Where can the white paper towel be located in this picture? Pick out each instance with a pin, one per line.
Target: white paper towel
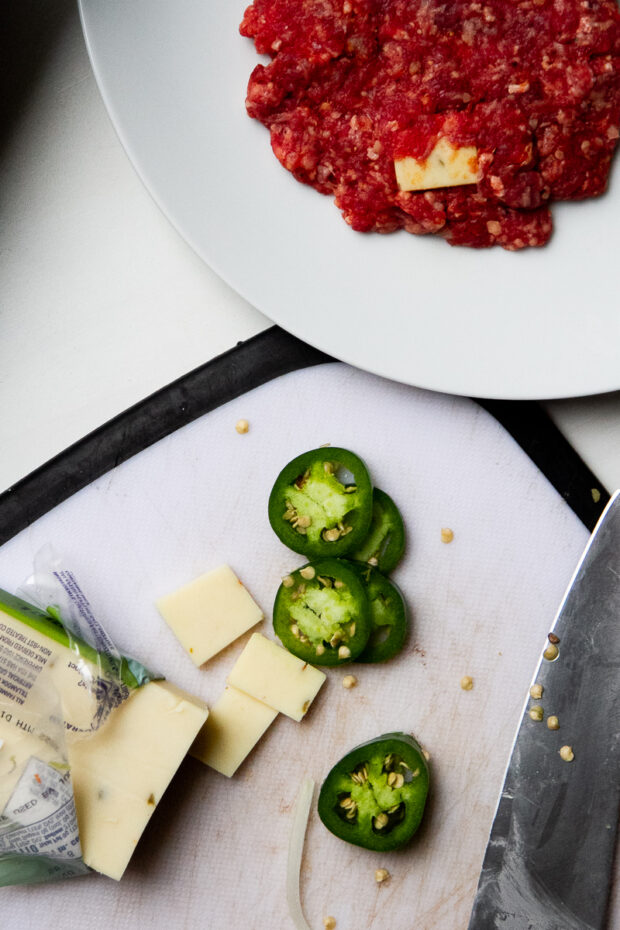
(214, 854)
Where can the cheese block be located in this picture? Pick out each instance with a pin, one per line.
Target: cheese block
(210, 613)
(446, 166)
(272, 675)
(120, 773)
(235, 724)
(123, 743)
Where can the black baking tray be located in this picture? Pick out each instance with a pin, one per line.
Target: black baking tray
(262, 358)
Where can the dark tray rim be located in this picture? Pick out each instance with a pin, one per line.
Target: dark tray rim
(262, 358)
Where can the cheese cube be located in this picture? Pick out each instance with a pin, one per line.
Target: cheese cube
(272, 675)
(121, 771)
(446, 166)
(235, 724)
(209, 613)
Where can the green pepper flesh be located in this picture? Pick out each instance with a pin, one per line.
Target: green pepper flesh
(375, 796)
(321, 613)
(384, 544)
(321, 503)
(388, 615)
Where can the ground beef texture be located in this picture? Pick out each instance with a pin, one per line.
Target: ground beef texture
(353, 85)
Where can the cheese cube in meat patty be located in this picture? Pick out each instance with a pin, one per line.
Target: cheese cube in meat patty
(446, 166)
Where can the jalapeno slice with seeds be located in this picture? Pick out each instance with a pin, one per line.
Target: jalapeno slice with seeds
(384, 544)
(321, 613)
(321, 503)
(375, 796)
(388, 615)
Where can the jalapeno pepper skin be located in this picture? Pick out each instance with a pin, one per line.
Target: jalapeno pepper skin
(316, 514)
(321, 614)
(366, 810)
(388, 615)
(385, 540)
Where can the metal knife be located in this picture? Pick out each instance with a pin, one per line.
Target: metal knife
(550, 853)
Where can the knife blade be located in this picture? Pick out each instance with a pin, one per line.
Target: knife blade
(550, 853)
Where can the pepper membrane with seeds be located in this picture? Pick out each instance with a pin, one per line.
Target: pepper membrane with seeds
(321, 613)
(375, 796)
(321, 503)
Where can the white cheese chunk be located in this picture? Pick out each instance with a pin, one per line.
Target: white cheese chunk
(120, 773)
(446, 166)
(210, 613)
(272, 675)
(234, 726)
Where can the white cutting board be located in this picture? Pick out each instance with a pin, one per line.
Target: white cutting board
(214, 854)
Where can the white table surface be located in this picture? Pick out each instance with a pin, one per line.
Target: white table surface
(101, 301)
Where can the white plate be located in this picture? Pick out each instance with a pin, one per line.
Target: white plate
(542, 323)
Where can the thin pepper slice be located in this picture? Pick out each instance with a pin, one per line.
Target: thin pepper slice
(384, 544)
(321, 503)
(388, 615)
(321, 613)
(375, 796)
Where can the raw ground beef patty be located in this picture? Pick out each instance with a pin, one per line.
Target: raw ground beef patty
(352, 85)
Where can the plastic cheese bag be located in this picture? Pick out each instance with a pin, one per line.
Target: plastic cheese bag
(60, 679)
(39, 839)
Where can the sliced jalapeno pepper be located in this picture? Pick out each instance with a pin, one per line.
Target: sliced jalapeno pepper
(375, 796)
(321, 613)
(321, 503)
(388, 615)
(385, 542)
